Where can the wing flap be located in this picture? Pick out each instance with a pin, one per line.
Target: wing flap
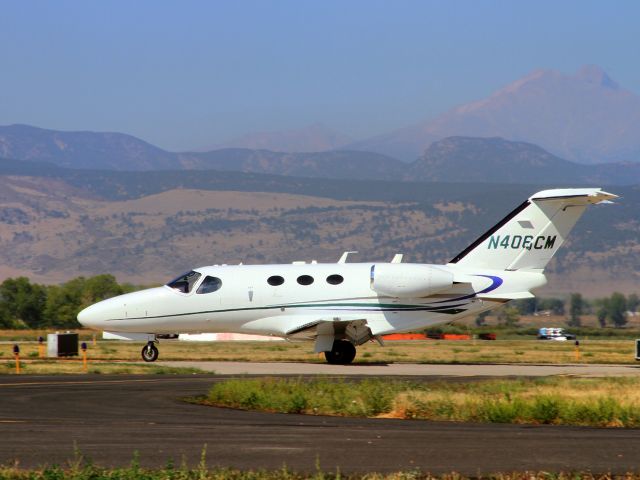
(324, 330)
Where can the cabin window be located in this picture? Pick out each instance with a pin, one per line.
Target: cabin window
(335, 279)
(209, 285)
(305, 279)
(275, 280)
(185, 282)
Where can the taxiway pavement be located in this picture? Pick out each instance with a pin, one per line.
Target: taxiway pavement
(110, 417)
(409, 369)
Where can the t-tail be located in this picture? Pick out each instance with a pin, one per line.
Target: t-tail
(529, 236)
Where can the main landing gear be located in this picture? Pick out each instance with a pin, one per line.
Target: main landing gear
(150, 352)
(342, 353)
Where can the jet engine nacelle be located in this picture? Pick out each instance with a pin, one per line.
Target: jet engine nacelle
(409, 281)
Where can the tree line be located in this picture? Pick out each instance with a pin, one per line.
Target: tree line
(30, 305)
(610, 311)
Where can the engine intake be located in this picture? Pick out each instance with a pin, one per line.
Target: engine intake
(409, 281)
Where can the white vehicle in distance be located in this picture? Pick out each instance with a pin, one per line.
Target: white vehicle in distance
(339, 306)
(557, 334)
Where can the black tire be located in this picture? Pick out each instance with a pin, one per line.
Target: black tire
(342, 353)
(150, 352)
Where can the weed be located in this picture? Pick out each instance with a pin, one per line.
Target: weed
(80, 468)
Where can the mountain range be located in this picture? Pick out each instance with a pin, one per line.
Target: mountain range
(585, 117)
(143, 227)
(312, 138)
(80, 203)
(84, 149)
(266, 207)
(450, 159)
(475, 159)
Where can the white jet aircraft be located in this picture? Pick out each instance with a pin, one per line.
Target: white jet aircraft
(342, 305)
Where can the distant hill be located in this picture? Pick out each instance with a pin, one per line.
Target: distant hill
(332, 164)
(452, 159)
(313, 138)
(586, 117)
(99, 150)
(117, 151)
(491, 160)
(125, 185)
(499, 160)
(145, 226)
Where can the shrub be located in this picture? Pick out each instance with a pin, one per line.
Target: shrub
(546, 409)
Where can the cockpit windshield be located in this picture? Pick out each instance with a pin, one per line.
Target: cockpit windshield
(185, 282)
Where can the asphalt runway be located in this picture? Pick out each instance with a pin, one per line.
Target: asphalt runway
(409, 369)
(110, 417)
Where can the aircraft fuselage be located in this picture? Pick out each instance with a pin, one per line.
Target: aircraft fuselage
(245, 302)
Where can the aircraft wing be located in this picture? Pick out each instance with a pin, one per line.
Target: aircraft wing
(323, 329)
(323, 326)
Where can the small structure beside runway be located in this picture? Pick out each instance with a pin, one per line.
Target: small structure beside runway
(62, 344)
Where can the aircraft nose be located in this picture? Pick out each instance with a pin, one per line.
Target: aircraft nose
(97, 315)
(134, 305)
(91, 317)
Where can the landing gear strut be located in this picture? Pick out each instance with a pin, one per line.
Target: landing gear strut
(342, 353)
(150, 352)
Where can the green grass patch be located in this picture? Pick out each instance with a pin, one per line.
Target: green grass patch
(322, 397)
(604, 402)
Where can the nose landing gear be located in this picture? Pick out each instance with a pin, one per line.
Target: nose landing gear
(150, 352)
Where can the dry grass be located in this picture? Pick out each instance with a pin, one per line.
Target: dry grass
(428, 351)
(75, 366)
(604, 402)
(529, 350)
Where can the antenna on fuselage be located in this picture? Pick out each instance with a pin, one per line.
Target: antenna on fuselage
(343, 258)
(397, 258)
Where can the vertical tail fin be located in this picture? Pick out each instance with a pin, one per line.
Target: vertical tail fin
(529, 236)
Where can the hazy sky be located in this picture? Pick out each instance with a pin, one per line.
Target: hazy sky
(184, 74)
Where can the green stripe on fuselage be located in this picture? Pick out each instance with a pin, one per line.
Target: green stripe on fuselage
(379, 306)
